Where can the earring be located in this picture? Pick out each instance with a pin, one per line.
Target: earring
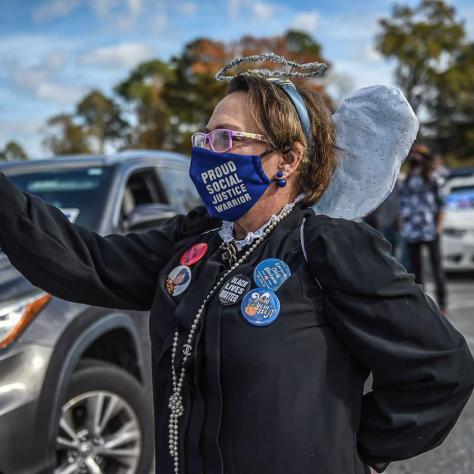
(281, 181)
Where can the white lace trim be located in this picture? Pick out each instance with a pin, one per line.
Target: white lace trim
(226, 232)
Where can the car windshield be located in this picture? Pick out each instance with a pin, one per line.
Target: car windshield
(79, 192)
(461, 198)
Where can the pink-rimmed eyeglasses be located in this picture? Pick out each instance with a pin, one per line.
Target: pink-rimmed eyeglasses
(220, 140)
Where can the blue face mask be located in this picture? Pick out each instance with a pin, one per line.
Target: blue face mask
(228, 183)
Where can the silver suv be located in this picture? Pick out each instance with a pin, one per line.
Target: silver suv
(75, 384)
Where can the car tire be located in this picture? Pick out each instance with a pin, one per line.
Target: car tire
(96, 380)
(86, 363)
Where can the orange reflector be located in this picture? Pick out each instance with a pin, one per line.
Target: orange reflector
(31, 310)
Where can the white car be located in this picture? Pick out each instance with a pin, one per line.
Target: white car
(458, 235)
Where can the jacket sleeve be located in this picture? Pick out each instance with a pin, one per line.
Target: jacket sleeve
(423, 371)
(75, 264)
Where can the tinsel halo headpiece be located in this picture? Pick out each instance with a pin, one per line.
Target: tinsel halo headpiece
(282, 79)
(311, 69)
(375, 128)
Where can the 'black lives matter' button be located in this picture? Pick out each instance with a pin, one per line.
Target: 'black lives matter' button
(234, 289)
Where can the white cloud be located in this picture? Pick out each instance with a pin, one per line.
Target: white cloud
(135, 6)
(64, 94)
(40, 78)
(371, 54)
(260, 18)
(338, 85)
(54, 60)
(49, 10)
(39, 82)
(349, 28)
(27, 132)
(365, 73)
(122, 56)
(103, 8)
(187, 8)
(126, 19)
(29, 47)
(159, 22)
(120, 15)
(253, 10)
(306, 21)
(233, 7)
(262, 11)
(348, 42)
(124, 23)
(468, 15)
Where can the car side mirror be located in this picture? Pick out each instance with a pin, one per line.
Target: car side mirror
(148, 215)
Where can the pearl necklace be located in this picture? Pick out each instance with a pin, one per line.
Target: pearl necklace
(176, 399)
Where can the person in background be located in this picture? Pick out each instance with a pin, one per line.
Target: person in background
(386, 220)
(421, 217)
(441, 171)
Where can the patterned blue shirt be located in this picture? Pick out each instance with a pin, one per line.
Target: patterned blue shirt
(420, 203)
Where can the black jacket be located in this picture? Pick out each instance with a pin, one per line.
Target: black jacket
(283, 398)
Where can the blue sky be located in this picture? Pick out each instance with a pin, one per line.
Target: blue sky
(52, 52)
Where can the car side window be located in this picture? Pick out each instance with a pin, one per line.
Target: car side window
(142, 188)
(179, 187)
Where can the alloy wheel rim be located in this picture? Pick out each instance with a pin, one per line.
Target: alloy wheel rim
(99, 433)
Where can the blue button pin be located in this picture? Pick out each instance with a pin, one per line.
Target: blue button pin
(271, 273)
(260, 306)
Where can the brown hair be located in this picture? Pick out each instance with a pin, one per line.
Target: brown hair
(421, 155)
(277, 118)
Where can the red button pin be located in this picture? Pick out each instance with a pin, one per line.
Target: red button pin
(193, 254)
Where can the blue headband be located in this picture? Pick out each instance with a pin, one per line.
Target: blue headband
(295, 97)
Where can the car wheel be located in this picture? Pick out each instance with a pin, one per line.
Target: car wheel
(105, 424)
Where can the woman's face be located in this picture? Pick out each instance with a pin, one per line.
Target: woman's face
(415, 161)
(232, 112)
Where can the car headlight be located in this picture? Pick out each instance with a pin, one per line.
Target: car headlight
(15, 315)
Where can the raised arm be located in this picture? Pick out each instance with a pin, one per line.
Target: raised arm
(423, 371)
(73, 263)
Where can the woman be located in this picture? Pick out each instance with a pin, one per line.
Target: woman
(422, 214)
(265, 326)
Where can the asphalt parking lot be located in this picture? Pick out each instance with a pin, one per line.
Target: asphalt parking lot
(456, 454)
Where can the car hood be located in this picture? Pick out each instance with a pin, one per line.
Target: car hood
(460, 219)
(12, 283)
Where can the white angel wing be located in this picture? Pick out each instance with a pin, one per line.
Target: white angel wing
(375, 128)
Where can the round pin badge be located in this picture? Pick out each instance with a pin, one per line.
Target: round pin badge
(234, 289)
(178, 280)
(271, 273)
(193, 254)
(260, 306)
